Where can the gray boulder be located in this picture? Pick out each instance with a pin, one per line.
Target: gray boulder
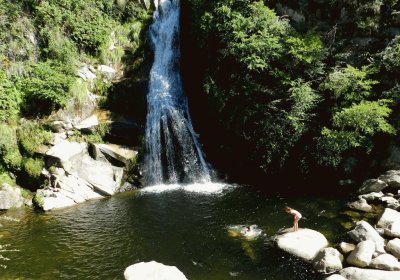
(371, 196)
(88, 124)
(361, 256)
(119, 155)
(304, 243)
(328, 260)
(86, 73)
(346, 247)
(107, 71)
(66, 154)
(364, 231)
(392, 178)
(104, 177)
(393, 230)
(385, 262)
(10, 197)
(49, 200)
(360, 205)
(353, 273)
(153, 271)
(390, 222)
(393, 247)
(372, 185)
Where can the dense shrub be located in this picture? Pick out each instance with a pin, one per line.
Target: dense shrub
(30, 145)
(33, 167)
(10, 99)
(47, 88)
(9, 152)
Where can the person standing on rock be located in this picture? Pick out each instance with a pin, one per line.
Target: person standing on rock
(296, 216)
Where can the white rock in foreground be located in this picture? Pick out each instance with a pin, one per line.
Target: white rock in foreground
(390, 222)
(10, 197)
(153, 271)
(393, 247)
(304, 243)
(328, 260)
(66, 154)
(362, 254)
(346, 247)
(385, 262)
(353, 273)
(364, 231)
(372, 185)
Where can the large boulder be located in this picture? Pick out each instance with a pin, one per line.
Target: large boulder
(328, 260)
(10, 197)
(346, 247)
(88, 124)
(393, 230)
(392, 178)
(372, 185)
(364, 231)
(390, 202)
(49, 200)
(353, 273)
(86, 73)
(385, 262)
(390, 222)
(153, 271)
(360, 205)
(66, 154)
(371, 196)
(304, 243)
(107, 71)
(76, 188)
(393, 247)
(361, 256)
(104, 177)
(116, 154)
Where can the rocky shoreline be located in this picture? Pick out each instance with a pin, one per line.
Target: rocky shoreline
(374, 252)
(77, 170)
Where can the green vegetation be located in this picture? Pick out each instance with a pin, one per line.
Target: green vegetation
(303, 92)
(43, 45)
(293, 91)
(94, 136)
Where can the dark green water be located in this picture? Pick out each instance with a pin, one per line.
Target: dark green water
(99, 239)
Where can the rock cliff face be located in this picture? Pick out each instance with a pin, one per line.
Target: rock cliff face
(76, 176)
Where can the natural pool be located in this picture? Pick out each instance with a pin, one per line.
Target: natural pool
(99, 239)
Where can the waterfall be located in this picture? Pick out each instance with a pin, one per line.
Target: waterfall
(173, 152)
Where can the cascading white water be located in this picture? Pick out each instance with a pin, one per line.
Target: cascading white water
(173, 152)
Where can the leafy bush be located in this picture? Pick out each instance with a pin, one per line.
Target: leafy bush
(95, 136)
(5, 178)
(9, 152)
(391, 55)
(306, 49)
(29, 144)
(61, 48)
(33, 167)
(354, 127)
(78, 92)
(10, 98)
(47, 87)
(349, 85)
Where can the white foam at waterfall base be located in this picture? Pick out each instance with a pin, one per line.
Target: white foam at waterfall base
(200, 188)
